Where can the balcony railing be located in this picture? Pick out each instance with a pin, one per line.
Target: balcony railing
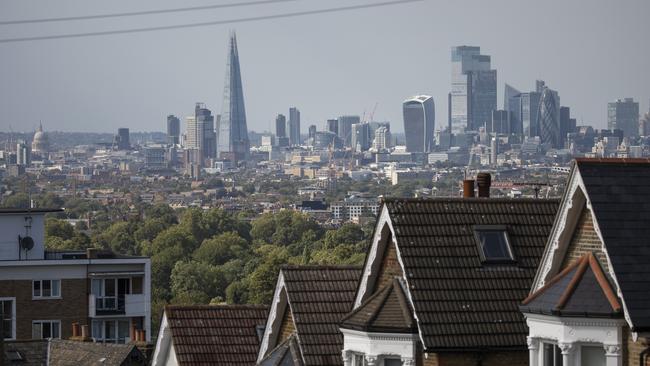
(128, 305)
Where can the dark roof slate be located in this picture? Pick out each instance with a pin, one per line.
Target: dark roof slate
(461, 303)
(619, 191)
(216, 334)
(286, 354)
(319, 297)
(30, 352)
(581, 289)
(387, 310)
(74, 353)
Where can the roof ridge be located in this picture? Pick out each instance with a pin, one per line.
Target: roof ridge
(368, 300)
(550, 283)
(217, 306)
(577, 277)
(604, 283)
(319, 266)
(615, 161)
(469, 199)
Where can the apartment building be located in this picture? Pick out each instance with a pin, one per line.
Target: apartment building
(42, 293)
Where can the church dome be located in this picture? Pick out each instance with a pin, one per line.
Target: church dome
(41, 141)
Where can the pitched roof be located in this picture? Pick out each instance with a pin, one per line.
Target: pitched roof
(319, 297)
(74, 353)
(582, 289)
(26, 352)
(286, 354)
(387, 310)
(216, 334)
(619, 192)
(461, 303)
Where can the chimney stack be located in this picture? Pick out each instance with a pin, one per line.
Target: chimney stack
(484, 181)
(468, 188)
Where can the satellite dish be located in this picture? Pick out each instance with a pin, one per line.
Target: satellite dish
(27, 243)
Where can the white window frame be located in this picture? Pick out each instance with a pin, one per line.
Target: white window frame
(13, 316)
(52, 323)
(41, 297)
(116, 328)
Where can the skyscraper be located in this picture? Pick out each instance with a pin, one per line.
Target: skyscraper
(419, 123)
(382, 139)
(205, 121)
(333, 126)
(233, 141)
(293, 126)
(122, 139)
(360, 136)
(312, 131)
(473, 89)
(173, 130)
(344, 127)
(567, 125)
(623, 114)
(280, 126)
(512, 104)
(549, 118)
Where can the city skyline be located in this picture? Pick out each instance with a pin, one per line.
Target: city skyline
(562, 67)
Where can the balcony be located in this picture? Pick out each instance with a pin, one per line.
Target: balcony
(125, 305)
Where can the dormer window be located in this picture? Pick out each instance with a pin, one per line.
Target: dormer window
(493, 244)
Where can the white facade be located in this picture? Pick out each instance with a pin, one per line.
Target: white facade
(378, 349)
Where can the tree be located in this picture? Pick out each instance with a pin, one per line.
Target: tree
(18, 200)
(261, 282)
(195, 282)
(58, 228)
(222, 248)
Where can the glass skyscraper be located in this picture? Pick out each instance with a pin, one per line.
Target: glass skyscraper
(549, 118)
(173, 130)
(419, 123)
(293, 127)
(233, 133)
(345, 128)
(623, 114)
(473, 89)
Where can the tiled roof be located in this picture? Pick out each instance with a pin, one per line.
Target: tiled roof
(581, 289)
(461, 303)
(319, 297)
(286, 354)
(387, 310)
(29, 352)
(619, 192)
(216, 334)
(74, 353)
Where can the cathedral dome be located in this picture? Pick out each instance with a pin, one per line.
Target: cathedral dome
(41, 141)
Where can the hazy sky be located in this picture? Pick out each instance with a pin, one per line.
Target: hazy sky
(591, 51)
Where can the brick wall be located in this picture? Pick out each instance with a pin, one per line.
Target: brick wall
(632, 350)
(287, 327)
(509, 358)
(585, 240)
(430, 359)
(72, 307)
(390, 267)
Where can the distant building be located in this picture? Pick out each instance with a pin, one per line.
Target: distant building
(360, 137)
(205, 121)
(333, 126)
(293, 126)
(193, 134)
(23, 154)
(324, 139)
(419, 123)
(233, 141)
(473, 89)
(549, 118)
(382, 139)
(280, 126)
(623, 114)
(312, 131)
(345, 128)
(122, 139)
(41, 142)
(173, 130)
(567, 124)
(500, 122)
(155, 157)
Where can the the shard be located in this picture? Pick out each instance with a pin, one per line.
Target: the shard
(233, 141)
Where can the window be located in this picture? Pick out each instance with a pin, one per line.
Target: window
(392, 362)
(42, 289)
(359, 360)
(493, 244)
(8, 314)
(552, 355)
(110, 331)
(42, 329)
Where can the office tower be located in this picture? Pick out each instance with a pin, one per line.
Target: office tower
(173, 130)
(512, 104)
(293, 126)
(549, 117)
(233, 141)
(122, 139)
(500, 123)
(623, 114)
(360, 137)
(381, 138)
(205, 121)
(567, 125)
(193, 134)
(644, 125)
(473, 89)
(494, 151)
(419, 123)
(23, 153)
(529, 111)
(345, 128)
(375, 125)
(280, 126)
(333, 126)
(312, 131)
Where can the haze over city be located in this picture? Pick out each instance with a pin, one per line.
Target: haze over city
(326, 64)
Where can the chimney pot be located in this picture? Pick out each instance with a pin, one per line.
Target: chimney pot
(468, 188)
(84, 331)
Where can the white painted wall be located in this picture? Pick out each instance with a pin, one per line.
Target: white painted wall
(12, 225)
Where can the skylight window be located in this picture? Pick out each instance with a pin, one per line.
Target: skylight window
(494, 244)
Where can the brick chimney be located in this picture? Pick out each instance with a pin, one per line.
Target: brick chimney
(468, 188)
(484, 181)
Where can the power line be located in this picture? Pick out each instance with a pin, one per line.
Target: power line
(144, 12)
(203, 24)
